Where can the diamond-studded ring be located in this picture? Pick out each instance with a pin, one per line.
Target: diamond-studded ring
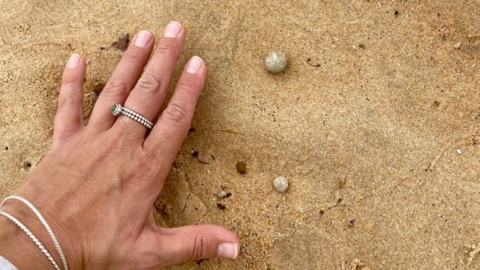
(118, 109)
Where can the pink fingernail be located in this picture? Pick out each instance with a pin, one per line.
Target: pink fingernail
(73, 61)
(143, 38)
(173, 29)
(227, 250)
(194, 65)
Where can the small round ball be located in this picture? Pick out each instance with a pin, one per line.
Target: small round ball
(276, 62)
(280, 184)
(241, 167)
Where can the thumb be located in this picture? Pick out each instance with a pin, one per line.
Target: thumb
(195, 242)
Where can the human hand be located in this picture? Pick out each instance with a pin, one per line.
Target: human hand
(97, 184)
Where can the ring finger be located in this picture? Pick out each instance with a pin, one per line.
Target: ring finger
(149, 93)
(122, 80)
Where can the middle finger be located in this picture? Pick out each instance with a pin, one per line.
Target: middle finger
(149, 93)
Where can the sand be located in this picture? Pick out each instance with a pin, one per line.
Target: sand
(375, 122)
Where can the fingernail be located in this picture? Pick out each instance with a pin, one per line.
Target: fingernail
(194, 65)
(227, 250)
(73, 61)
(172, 29)
(143, 38)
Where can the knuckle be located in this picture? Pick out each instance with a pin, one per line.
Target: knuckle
(151, 152)
(168, 51)
(69, 101)
(144, 165)
(112, 143)
(200, 247)
(65, 130)
(176, 113)
(70, 77)
(136, 174)
(149, 83)
(131, 57)
(187, 85)
(116, 89)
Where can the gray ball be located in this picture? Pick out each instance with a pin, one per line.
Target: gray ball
(280, 184)
(276, 62)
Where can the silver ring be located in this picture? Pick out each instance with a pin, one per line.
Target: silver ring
(118, 109)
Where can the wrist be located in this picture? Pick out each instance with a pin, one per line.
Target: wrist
(17, 247)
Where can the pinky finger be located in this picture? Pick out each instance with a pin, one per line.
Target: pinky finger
(69, 117)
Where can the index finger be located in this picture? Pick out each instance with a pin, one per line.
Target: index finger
(170, 131)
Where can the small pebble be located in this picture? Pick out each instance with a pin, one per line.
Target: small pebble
(276, 62)
(241, 167)
(457, 45)
(280, 184)
(221, 205)
(223, 194)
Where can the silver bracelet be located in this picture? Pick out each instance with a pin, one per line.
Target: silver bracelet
(33, 237)
(45, 224)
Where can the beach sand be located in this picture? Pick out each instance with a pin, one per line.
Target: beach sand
(375, 122)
